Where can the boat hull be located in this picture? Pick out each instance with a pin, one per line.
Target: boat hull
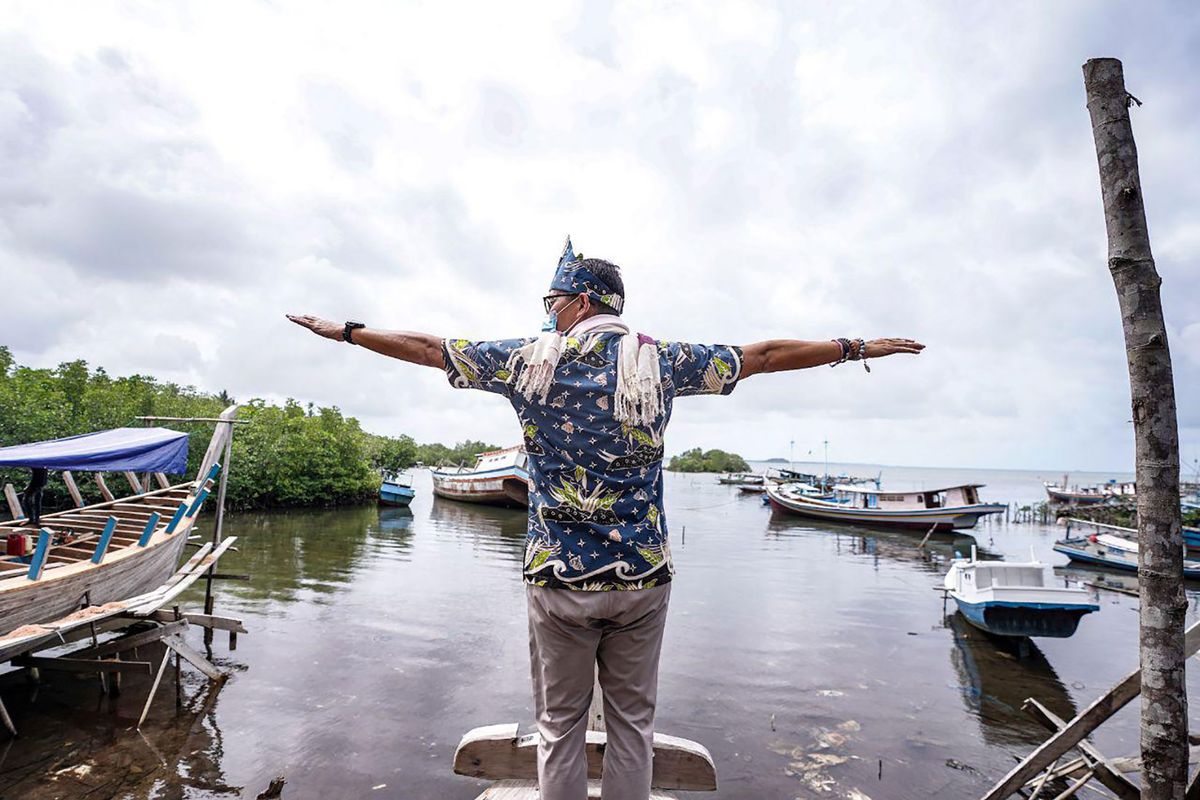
(945, 519)
(509, 489)
(132, 571)
(1025, 619)
(393, 495)
(1079, 553)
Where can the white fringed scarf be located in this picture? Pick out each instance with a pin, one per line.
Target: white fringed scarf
(639, 396)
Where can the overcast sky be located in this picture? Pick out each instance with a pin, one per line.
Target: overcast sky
(174, 177)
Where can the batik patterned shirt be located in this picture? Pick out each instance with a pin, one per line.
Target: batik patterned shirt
(596, 518)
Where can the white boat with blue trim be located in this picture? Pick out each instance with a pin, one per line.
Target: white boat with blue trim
(944, 509)
(1007, 598)
(499, 478)
(395, 489)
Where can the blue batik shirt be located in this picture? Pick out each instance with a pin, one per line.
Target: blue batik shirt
(596, 520)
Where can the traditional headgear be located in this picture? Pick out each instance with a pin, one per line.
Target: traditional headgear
(575, 278)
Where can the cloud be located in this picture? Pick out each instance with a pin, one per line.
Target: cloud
(759, 171)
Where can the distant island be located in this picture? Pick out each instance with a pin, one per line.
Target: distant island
(697, 460)
(775, 460)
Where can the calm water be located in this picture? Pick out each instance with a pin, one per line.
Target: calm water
(808, 658)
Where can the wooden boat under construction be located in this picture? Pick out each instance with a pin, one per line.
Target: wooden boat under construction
(53, 564)
(498, 478)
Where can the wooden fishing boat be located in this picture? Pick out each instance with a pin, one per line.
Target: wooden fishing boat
(106, 552)
(740, 479)
(1114, 551)
(499, 477)
(396, 490)
(949, 508)
(1007, 598)
(1096, 494)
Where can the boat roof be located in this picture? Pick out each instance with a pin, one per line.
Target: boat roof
(860, 490)
(116, 450)
(501, 451)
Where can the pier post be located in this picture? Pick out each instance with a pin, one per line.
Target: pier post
(1164, 741)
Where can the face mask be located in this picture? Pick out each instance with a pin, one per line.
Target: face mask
(550, 323)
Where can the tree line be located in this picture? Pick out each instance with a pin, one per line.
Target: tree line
(697, 460)
(288, 455)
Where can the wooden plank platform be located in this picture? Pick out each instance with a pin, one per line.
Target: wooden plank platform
(496, 752)
(528, 790)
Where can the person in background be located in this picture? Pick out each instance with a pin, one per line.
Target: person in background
(593, 398)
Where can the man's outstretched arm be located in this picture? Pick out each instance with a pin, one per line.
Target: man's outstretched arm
(780, 355)
(418, 348)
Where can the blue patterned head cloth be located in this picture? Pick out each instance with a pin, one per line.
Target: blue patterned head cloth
(573, 277)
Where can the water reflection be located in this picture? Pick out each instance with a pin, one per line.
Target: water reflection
(490, 528)
(997, 675)
(76, 742)
(889, 545)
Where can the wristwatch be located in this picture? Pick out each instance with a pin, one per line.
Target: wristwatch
(347, 332)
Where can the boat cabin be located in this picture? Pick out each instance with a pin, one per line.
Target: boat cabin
(496, 459)
(948, 497)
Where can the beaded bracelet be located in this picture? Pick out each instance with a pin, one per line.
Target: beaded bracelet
(852, 350)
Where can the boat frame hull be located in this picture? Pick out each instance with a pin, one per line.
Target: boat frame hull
(942, 519)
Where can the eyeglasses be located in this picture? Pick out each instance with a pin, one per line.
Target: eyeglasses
(548, 301)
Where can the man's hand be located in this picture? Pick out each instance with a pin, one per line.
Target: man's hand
(877, 348)
(321, 327)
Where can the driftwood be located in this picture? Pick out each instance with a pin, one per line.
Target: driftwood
(1156, 434)
(1105, 771)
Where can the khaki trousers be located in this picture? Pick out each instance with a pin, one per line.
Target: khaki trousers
(570, 632)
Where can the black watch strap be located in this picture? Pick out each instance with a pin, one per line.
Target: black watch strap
(347, 332)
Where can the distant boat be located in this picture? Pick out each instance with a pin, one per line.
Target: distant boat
(740, 478)
(396, 489)
(1113, 551)
(1090, 495)
(499, 478)
(1012, 598)
(1191, 536)
(945, 509)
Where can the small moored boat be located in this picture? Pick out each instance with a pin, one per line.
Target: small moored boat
(396, 489)
(1090, 495)
(1012, 599)
(499, 477)
(945, 509)
(1112, 551)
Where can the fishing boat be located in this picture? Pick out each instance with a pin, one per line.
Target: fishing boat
(1191, 536)
(949, 508)
(499, 477)
(1114, 551)
(740, 479)
(1012, 598)
(92, 555)
(1096, 494)
(396, 489)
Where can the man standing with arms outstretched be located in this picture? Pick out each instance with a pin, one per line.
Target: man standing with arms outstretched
(593, 399)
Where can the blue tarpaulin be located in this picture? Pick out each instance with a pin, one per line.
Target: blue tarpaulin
(117, 450)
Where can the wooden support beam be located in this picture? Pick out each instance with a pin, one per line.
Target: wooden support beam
(125, 643)
(148, 531)
(133, 481)
(7, 720)
(194, 658)
(104, 490)
(72, 488)
(154, 686)
(210, 621)
(82, 664)
(1083, 724)
(1105, 771)
(162, 481)
(14, 505)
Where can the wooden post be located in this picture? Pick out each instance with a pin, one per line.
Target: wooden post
(133, 481)
(14, 505)
(1156, 435)
(72, 488)
(108, 495)
(219, 521)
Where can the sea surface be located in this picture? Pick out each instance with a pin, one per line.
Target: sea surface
(812, 660)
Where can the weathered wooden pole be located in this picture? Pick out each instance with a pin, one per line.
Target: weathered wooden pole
(1152, 390)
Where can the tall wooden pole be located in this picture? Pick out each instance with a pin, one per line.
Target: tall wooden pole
(1152, 389)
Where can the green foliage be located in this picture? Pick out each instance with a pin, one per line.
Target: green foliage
(697, 460)
(288, 455)
(462, 453)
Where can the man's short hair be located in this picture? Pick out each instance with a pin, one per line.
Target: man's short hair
(611, 275)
